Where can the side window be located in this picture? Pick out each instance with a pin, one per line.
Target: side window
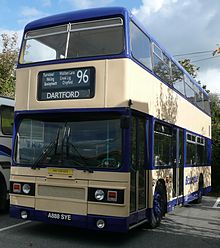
(177, 79)
(201, 151)
(7, 119)
(191, 149)
(199, 97)
(138, 142)
(196, 148)
(134, 143)
(181, 147)
(206, 104)
(190, 93)
(140, 45)
(164, 145)
(161, 64)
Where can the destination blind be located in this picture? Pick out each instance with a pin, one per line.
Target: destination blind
(77, 83)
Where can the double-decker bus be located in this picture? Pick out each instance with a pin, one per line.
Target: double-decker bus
(6, 130)
(110, 131)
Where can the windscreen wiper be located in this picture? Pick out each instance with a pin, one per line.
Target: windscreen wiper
(47, 150)
(85, 165)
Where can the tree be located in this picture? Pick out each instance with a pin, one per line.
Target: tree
(215, 108)
(193, 70)
(189, 67)
(8, 60)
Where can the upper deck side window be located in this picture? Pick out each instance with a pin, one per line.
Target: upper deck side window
(140, 46)
(177, 78)
(74, 40)
(161, 64)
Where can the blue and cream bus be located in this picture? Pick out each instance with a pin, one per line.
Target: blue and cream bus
(6, 130)
(110, 131)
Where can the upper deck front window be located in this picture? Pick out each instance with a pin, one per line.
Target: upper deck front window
(74, 40)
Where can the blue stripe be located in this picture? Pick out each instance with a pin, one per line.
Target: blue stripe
(186, 199)
(115, 224)
(5, 151)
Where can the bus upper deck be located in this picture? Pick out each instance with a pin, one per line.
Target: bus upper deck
(109, 69)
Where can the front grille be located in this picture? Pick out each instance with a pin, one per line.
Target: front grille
(62, 192)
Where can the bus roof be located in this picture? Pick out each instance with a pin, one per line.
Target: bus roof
(76, 16)
(8, 101)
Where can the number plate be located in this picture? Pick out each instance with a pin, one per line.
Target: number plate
(59, 216)
(78, 83)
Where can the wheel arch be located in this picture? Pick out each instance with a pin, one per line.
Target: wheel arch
(162, 183)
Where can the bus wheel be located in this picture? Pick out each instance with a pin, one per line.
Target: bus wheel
(200, 190)
(3, 196)
(159, 206)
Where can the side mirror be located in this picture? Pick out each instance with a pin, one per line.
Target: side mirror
(125, 122)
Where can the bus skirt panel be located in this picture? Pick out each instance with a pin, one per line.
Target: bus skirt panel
(113, 224)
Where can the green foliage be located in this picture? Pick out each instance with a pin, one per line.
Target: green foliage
(8, 59)
(193, 71)
(189, 67)
(215, 108)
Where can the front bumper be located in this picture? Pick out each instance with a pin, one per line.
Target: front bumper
(112, 224)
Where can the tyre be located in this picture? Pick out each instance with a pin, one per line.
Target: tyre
(200, 190)
(159, 206)
(3, 196)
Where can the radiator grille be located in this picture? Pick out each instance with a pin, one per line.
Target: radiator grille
(61, 192)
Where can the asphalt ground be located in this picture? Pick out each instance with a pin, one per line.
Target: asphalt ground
(195, 225)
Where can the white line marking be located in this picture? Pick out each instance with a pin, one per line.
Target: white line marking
(217, 203)
(13, 226)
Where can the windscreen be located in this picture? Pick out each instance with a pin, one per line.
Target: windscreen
(74, 40)
(70, 142)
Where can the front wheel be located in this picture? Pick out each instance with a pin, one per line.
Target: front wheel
(159, 206)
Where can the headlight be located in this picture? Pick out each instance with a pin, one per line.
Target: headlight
(99, 195)
(26, 188)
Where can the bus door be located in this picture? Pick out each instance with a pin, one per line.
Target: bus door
(178, 166)
(138, 171)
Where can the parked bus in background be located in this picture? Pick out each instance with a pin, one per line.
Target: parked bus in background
(6, 130)
(110, 131)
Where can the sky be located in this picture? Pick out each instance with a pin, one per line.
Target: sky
(189, 27)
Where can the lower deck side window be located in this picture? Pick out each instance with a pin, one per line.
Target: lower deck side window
(164, 145)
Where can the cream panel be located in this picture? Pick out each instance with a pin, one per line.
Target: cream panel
(108, 209)
(43, 174)
(117, 81)
(193, 172)
(31, 81)
(61, 206)
(107, 184)
(20, 200)
(19, 178)
(206, 171)
(117, 86)
(152, 96)
(151, 187)
(167, 176)
(22, 88)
